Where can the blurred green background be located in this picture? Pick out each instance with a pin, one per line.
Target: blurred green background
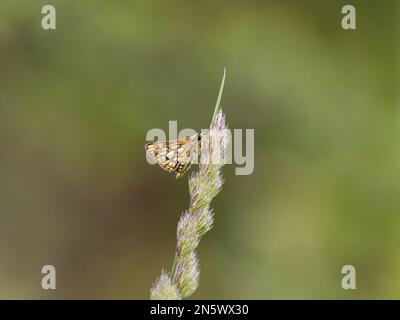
(76, 104)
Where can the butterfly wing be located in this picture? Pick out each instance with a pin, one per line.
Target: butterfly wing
(172, 156)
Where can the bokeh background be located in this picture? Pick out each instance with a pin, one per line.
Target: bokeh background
(76, 104)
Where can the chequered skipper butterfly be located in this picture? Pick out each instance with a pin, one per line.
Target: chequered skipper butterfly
(175, 156)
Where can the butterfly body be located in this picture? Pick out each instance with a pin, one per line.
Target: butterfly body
(175, 156)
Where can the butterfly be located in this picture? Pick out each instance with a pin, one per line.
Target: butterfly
(177, 155)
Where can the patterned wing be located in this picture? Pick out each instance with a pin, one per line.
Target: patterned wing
(172, 156)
